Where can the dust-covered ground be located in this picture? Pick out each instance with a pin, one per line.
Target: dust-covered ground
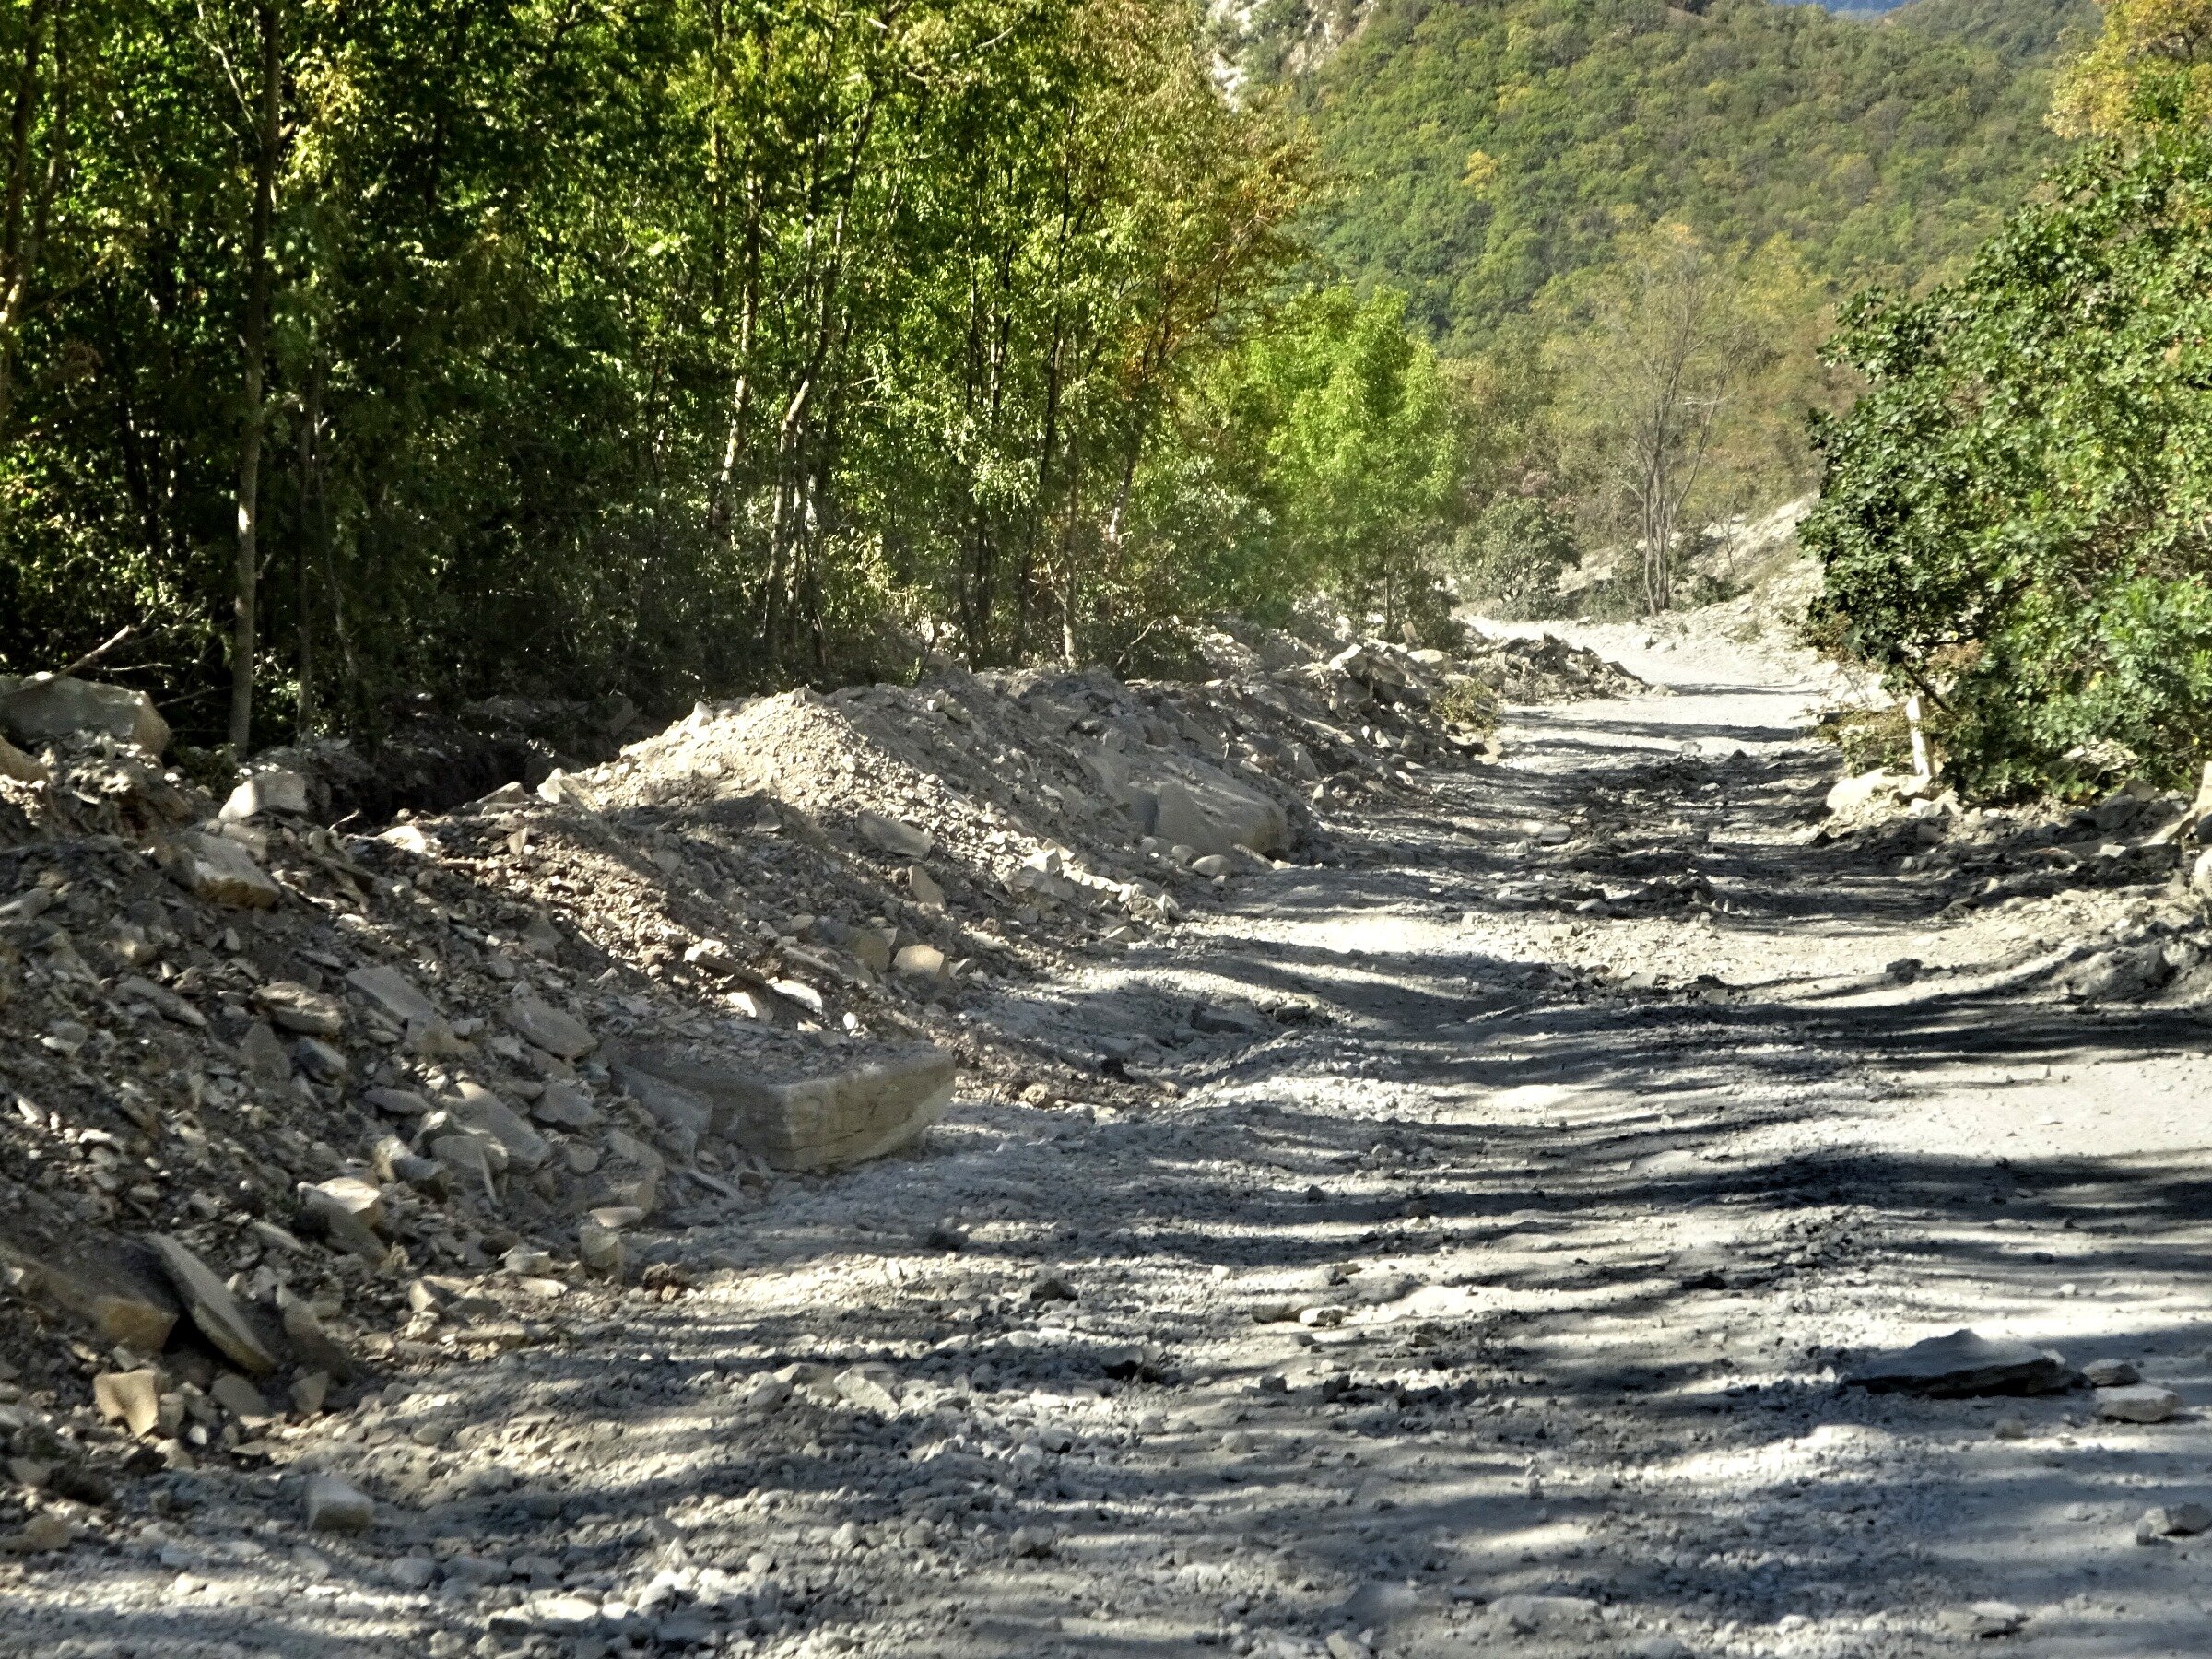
(1489, 1296)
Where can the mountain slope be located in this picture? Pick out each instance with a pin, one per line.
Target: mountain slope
(1487, 146)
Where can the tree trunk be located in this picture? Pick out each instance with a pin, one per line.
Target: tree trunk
(253, 342)
(23, 224)
(307, 531)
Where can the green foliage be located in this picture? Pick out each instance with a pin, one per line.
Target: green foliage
(1334, 455)
(1489, 146)
(1508, 562)
(670, 344)
(2013, 519)
(2020, 31)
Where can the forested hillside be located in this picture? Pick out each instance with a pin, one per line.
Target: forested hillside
(358, 355)
(1484, 148)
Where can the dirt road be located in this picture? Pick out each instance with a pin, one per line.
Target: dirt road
(1488, 1297)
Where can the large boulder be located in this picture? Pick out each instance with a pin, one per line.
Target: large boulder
(50, 706)
(825, 1122)
(1187, 802)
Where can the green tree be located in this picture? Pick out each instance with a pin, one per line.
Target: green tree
(2013, 520)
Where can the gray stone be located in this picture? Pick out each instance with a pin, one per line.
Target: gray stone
(394, 995)
(2141, 1402)
(1987, 1619)
(870, 1387)
(821, 1122)
(50, 706)
(919, 961)
(476, 1108)
(299, 1008)
(864, 944)
(221, 871)
(599, 1249)
(19, 767)
(397, 1102)
(894, 836)
(1525, 1615)
(334, 1506)
(2174, 1520)
(475, 1159)
(1187, 802)
(924, 887)
(320, 1060)
(213, 1310)
(1964, 1364)
(2109, 1373)
(264, 1055)
(276, 790)
(559, 1034)
(565, 1106)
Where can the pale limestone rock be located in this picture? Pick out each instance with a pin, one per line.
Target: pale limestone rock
(277, 790)
(221, 871)
(131, 1398)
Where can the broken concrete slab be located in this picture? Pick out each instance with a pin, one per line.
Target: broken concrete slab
(1963, 1364)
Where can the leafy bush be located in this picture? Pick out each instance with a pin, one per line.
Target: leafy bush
(1510, 560)
(2015, 517)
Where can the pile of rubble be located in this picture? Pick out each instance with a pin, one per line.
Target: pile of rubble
(282, 1108)
(2133, 865)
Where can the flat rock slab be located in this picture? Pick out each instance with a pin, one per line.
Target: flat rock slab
(2140, 1404)
(559, 1034)
(827, 1121)
(1964, 1364)
(213, 1310)
(896, 836)
(394, 995)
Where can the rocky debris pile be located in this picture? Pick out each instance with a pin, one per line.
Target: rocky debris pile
(285, 1111)
(431, 762)
(1549, 670)
(2139, 848)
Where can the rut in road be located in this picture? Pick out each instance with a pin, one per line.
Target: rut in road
(1496, 1308)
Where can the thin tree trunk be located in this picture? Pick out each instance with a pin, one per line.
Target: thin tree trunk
(303, 563)
(253, 421)
(23, 233)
